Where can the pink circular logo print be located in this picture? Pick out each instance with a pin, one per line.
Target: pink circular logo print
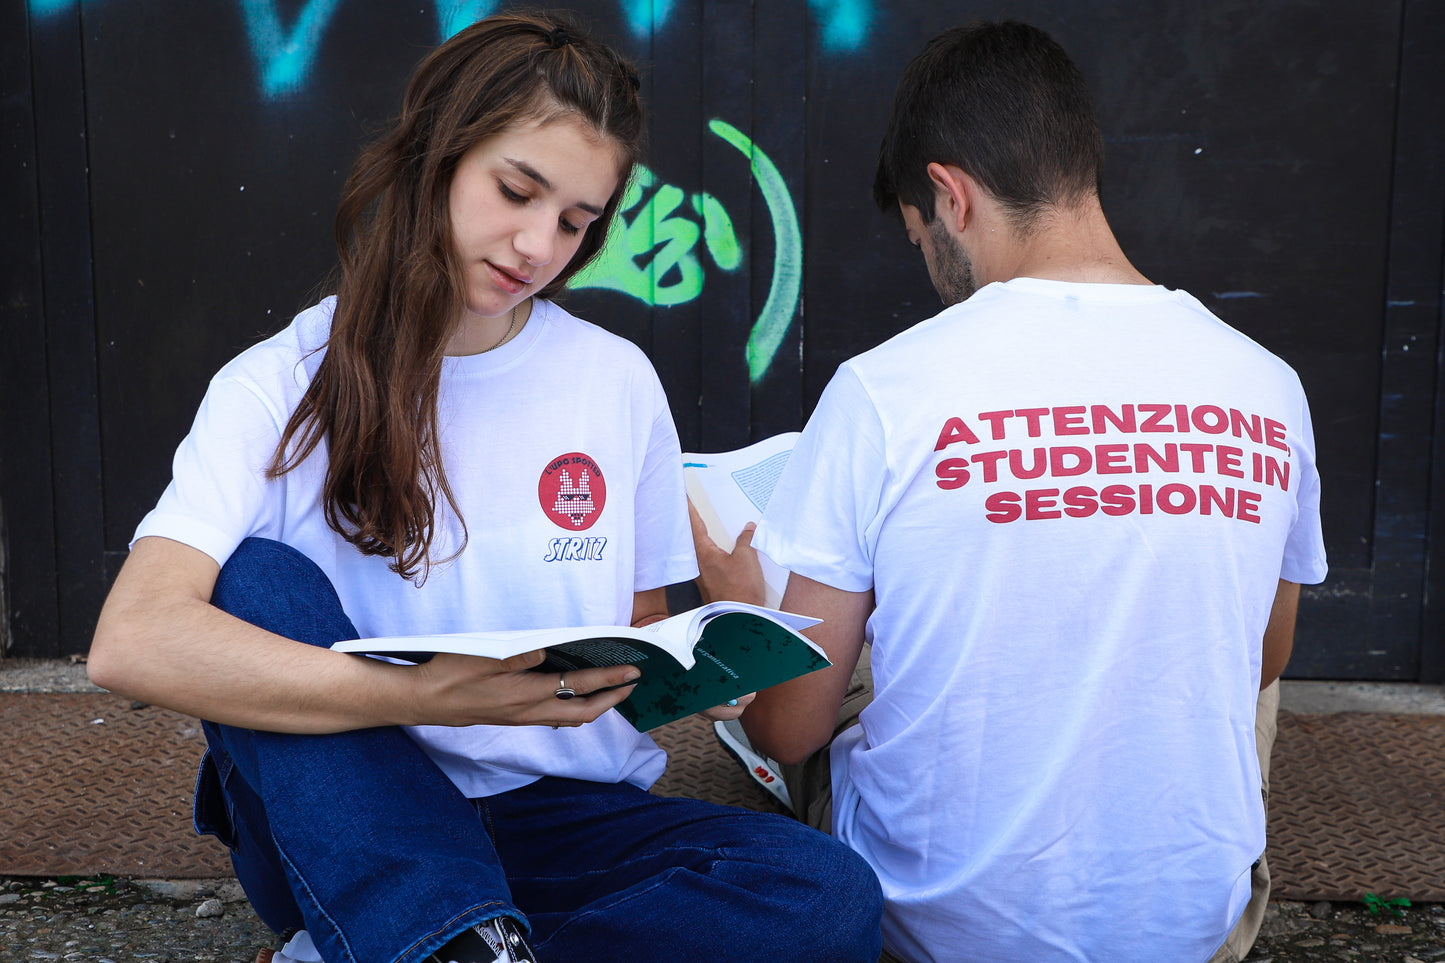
(572, 491)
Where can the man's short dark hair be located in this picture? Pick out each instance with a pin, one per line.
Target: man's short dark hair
(1004, 103)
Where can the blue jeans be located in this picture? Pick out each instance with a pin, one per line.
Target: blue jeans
(360, 839)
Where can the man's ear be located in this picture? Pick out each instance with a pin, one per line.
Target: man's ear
(953, 194)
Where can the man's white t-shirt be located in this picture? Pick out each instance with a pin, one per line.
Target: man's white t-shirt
(562, 455)
(1073, 503)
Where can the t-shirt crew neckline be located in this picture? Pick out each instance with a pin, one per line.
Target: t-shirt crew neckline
(1098, 292)
(507, 354)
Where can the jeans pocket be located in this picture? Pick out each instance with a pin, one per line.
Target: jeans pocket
(213, 813)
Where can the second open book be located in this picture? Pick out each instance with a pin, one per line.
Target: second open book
(731, 488)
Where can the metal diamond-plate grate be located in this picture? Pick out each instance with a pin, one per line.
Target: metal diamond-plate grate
(1357, 805)
(1357, 800)
(90, 785)
(698, 766)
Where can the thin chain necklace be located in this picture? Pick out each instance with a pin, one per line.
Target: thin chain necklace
(510, 328)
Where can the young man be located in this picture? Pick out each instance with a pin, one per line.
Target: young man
(1071, 513)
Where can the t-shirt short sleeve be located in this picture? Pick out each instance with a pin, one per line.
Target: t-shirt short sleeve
(665, 553)
(823, 517)
(1304, 550)
(217, 495)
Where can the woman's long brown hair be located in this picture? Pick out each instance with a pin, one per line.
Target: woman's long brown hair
(374, 397)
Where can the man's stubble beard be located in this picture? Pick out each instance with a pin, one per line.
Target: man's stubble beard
(952, 269)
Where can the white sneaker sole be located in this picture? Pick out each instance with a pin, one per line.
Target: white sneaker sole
(764, 771)
(299, 949)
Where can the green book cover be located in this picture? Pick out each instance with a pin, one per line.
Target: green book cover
(738, 653)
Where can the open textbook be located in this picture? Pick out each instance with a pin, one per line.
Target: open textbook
(732, 488)
(692, 661)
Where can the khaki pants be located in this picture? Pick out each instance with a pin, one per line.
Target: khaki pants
(810, 785)
(1266, 725)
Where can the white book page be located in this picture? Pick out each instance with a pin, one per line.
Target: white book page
(732, 488)
(676, 635)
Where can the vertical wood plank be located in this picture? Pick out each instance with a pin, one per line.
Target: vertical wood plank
(61, 148)
(28, 583)
(1414, 319)
(728, 308)
(780, 116)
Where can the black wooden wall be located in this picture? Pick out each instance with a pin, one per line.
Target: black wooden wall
(171, 168)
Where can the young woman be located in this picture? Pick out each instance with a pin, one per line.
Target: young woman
(404, 458)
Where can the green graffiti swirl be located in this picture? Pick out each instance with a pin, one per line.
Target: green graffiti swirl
(778, 310)
(650, 252)
(717, 232)
(671, 273)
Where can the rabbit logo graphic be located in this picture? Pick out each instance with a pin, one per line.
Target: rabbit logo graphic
(572, 491)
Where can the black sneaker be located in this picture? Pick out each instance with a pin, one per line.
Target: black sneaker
(497, 940)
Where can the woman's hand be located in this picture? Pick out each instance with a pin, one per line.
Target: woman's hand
(731, 710)
(469, 690)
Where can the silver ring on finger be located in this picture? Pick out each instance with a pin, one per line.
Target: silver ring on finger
(564, 691)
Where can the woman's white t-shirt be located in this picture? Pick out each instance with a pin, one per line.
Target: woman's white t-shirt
(561, 452)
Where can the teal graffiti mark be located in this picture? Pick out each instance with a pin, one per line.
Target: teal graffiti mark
(454, 16)
(285, 58)
(782, 303)
(649, 253)
(845, 22)
(645, 16)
